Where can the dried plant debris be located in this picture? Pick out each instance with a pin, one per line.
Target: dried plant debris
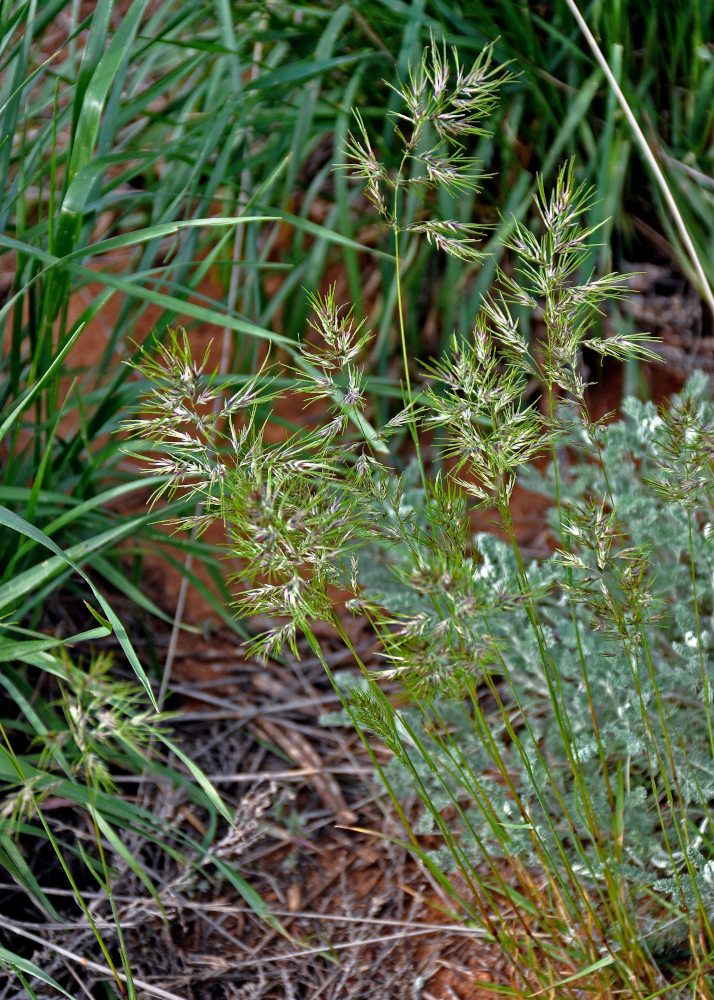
(370, 941)
(356, 908)
(670, 308)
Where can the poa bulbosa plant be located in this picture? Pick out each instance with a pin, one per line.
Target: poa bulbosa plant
(558, 725)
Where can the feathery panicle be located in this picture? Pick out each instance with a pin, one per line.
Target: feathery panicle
(363, 164)
(561, 710)
(441, 93)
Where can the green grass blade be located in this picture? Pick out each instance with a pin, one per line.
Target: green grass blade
(8, 594)
(17, 963)
(196, 772)
(12, 861)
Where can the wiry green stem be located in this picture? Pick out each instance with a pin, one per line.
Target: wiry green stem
(706, 686)
(704, 284)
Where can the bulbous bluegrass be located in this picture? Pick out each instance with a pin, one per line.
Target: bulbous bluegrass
(564, 708)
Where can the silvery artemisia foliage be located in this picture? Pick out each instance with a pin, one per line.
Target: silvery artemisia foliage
(613, 764)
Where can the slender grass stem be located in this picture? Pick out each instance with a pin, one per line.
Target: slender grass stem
(704, 284)
(63, 863)
(706, 687)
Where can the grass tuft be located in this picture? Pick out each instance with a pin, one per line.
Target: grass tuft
(556, 721)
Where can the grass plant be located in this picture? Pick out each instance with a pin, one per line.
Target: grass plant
(557, 715)
(124, 187)
(141, 154)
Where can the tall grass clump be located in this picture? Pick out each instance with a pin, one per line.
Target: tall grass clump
(126, 183)
(556, 715)
(129, 199)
